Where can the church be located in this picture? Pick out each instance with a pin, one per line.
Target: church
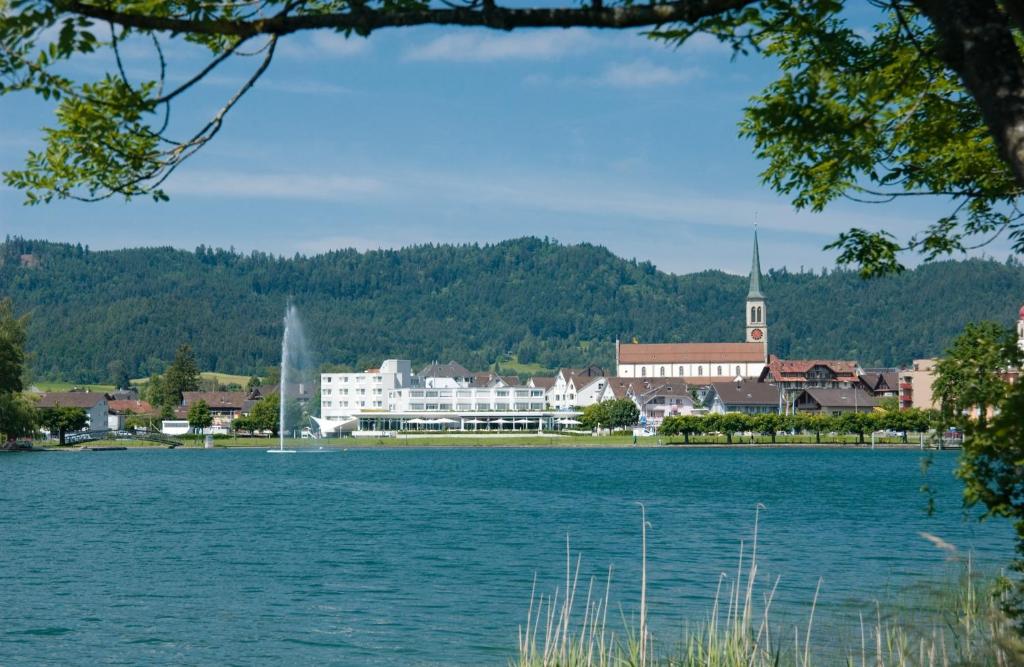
(704, 363)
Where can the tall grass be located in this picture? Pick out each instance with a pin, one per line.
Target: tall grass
(963, 626)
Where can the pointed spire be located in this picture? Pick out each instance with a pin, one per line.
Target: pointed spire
(755, 272)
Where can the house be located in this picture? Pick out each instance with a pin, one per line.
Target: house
(120, 409)
(748, 397)
(225, 406)
(883, 382)
(659, 399)
(577, 387)
(793, 376)
(799, 374)
(545, 383)
(93, 403)
(836, 401)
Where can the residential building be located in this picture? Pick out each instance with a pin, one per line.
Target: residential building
(658, 399)
(120, 409)
(225, 406)
(748, 397)
(836, 401)
(916, 385)
(704, 363)
(93, 403)
(881, 382)
(792, 376)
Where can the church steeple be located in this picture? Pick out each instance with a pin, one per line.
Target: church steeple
(756, 309)
(755, 273)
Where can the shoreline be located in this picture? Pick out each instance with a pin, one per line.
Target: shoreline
(497, 443)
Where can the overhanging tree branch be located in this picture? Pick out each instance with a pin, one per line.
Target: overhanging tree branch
(364, 20)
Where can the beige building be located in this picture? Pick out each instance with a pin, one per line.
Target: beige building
(916, 385)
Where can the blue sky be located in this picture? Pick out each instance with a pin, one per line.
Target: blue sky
(460, 135)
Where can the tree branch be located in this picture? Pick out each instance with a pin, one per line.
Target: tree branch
(363, 20)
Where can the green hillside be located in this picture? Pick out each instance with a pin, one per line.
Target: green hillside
(545, 303)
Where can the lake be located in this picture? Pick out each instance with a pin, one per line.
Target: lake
(428, 556)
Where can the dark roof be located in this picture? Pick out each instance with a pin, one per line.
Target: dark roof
(842, 398)
(71, 399)
(746, 393)
(881, 381)
(543, 382)
(216, 400)
(452, 369)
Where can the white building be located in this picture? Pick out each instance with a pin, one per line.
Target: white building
(439, 397)
(704, 363)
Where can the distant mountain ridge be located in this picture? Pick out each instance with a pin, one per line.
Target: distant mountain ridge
(550, 304)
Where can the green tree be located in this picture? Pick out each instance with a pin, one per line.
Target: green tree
(684, 425)
(969, 382)
(12, 348)
(199, 416)
(117, 374)
(182, 375)
(621, 413)
(594, 416)
(63, 419)
(731, 423)
(253, 383)
(768, 424)
(18, 417)
(265, 415)
(857, 423)
(814, 423)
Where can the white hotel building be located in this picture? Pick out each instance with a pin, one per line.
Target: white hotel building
(440, 397)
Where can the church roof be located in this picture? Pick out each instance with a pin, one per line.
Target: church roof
(677, 353)
(755, 273)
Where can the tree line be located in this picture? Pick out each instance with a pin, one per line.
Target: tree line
(105, 316)
(771, 425)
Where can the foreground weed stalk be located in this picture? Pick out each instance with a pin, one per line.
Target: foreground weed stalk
(965, 627)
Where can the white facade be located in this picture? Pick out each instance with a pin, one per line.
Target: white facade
(466, 399)
(393, 398)
(707, 371)
(343, 394)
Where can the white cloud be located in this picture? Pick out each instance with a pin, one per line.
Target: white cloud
(322, 45)
(643, 73)
(309, 187)
(489, 47)
(636, 74)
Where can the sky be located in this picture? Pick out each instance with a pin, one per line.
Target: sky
(462, 135)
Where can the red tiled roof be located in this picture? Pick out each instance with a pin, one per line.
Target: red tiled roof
(136, 407)
(795, 370)
(675, 353)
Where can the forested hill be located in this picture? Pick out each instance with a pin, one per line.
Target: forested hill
(550, 304)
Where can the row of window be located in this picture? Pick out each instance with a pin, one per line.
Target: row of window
(377, 391)
(355, 404)
(358, 378)
(700, 371)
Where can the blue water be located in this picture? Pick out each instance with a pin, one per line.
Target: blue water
(427, 556)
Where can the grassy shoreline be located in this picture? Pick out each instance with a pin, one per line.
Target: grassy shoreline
(497, 442)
